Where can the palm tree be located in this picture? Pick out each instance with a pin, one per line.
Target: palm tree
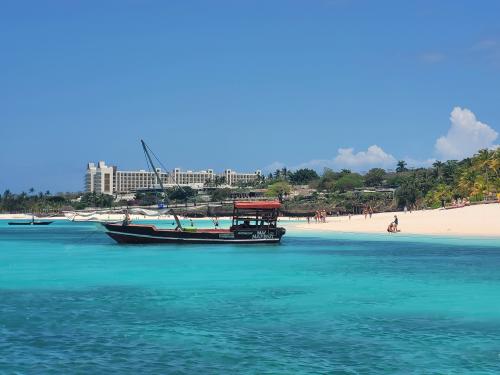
(7, 194)
(482, 162)
(466, 182)
(438, 166)
(219, 180)
(401, 166)
(31, 190)
(284, 172)
(480, 187)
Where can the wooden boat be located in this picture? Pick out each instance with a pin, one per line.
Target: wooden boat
(252, 223)
(30, 222)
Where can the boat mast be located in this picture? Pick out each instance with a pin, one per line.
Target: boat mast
(152, 165)
(145, 147)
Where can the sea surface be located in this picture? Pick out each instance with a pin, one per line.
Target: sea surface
(73, 301)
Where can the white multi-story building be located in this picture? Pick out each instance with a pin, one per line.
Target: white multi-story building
(235, 178)
(99, 179)
(192, 178)
(90, 177)
(109, 180)
(131, 181)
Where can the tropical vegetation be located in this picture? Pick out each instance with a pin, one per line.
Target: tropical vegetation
(475, 178)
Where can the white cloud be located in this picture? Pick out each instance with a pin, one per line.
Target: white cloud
(466, 136)
(374, 156)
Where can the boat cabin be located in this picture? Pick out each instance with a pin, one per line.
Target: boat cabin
(255, 215)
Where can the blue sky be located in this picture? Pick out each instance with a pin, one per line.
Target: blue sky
(243, 84)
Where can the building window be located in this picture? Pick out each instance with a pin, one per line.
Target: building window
(107, 179)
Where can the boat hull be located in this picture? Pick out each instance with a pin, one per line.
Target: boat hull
(30, 223)
(149, 234)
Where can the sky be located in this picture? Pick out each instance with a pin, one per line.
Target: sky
(243, 84)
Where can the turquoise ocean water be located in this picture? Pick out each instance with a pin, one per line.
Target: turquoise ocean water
(73, 301)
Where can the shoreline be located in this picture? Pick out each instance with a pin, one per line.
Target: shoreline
(480, 221)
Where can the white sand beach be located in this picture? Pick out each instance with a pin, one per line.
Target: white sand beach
(478, 220)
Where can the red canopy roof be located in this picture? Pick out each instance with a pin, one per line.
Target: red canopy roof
(262, 205)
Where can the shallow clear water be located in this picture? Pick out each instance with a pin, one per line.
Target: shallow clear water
(73, 301)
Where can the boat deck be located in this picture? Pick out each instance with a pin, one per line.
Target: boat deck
(196, 230)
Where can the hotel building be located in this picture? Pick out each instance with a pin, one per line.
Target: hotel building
(192, 178)
(109, 180)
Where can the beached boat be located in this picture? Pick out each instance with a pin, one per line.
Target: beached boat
(252, 223)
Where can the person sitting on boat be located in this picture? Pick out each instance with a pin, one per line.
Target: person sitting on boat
(126, 220)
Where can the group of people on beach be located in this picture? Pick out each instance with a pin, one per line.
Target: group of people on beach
(456, 203)
(368, 211)
(319, 217)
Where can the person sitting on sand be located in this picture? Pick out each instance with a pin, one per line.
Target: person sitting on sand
(390, 228)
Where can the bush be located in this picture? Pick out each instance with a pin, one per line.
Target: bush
(220, 194)
(349, 182)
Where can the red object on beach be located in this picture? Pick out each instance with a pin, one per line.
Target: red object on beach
(264, 205)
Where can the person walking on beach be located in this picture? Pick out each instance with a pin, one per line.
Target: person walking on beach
(308, 219)
(370, 211)
(405, 209)
(396, 222)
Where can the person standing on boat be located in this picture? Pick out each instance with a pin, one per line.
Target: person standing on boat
(126, 220)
